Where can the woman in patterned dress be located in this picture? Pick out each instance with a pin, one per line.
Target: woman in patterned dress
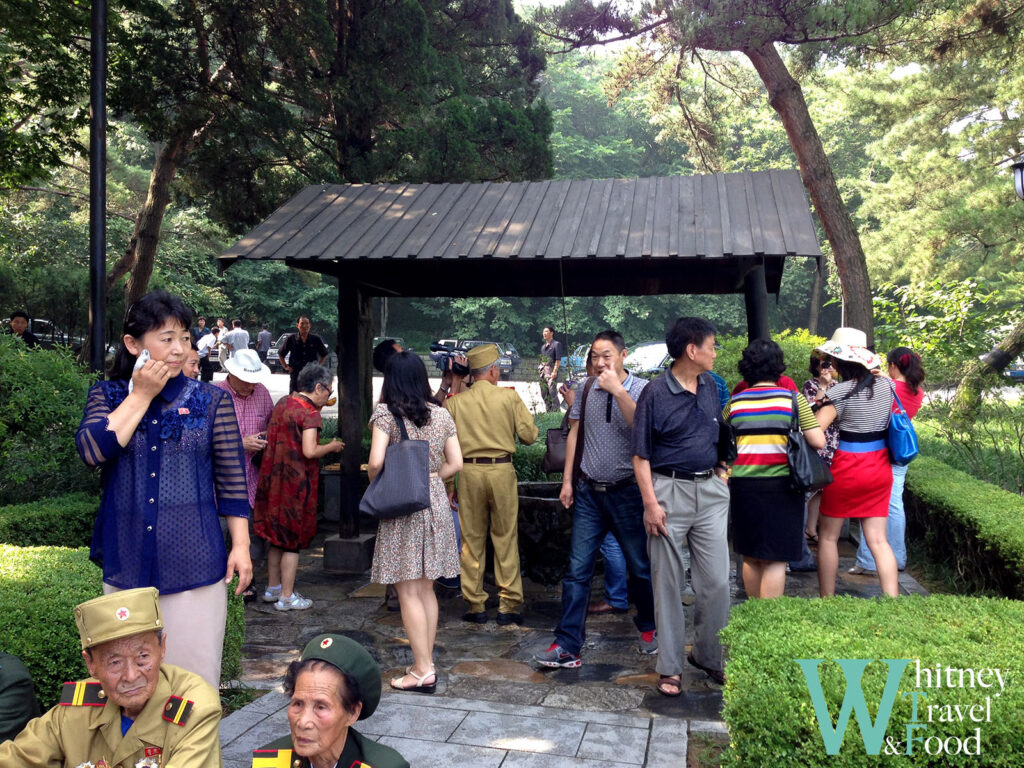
(414, 550)
(286, 493)
(862, 477)
(823, 376)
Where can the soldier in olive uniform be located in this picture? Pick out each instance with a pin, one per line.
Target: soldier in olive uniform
(134, 711)
(333, 684)
(488, 419)
(18, 702)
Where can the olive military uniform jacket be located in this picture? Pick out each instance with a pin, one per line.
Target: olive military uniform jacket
(489, 418)
(178, 728)
(359, 752)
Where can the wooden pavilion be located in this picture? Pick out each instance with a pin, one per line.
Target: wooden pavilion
(722, 233)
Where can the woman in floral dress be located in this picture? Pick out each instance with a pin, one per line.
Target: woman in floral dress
(414, 550)
(286, 493)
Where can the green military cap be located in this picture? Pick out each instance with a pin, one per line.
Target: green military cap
(118, 614)
(482, 355)
(352, 659)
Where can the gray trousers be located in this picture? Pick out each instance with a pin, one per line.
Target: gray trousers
(696, 512)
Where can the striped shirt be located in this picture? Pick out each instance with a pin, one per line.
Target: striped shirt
(761, 416)
(868, 411)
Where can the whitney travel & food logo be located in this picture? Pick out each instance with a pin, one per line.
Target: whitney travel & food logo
(924, 730)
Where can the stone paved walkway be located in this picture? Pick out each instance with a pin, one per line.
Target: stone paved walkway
(493, 706)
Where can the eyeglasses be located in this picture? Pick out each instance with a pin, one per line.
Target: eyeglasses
(826, 364)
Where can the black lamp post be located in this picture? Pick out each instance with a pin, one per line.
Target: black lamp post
(98, 187)
(1018, 177)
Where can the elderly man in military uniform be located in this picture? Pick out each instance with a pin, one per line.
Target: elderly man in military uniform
(134, 711)
(334, 684)
(488, 419)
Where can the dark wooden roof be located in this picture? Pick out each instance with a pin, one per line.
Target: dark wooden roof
(381, 234)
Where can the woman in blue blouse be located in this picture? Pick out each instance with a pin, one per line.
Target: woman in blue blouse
(172, 463)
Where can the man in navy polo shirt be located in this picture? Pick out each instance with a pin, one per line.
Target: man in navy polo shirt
(686, 498)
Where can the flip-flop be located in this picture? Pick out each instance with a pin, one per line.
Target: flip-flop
(670, 685)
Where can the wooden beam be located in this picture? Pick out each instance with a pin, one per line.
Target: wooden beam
(350, 407)
(755, 294)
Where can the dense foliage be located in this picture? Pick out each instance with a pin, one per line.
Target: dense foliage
(62, 521)
(43, 392)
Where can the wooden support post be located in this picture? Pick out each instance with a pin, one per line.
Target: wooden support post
(350, 416)
(756, 299)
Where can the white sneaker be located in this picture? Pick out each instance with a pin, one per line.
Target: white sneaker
(294, 603)
(272, 595)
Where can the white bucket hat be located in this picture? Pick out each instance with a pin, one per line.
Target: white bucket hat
(851, 345)
(245, 364)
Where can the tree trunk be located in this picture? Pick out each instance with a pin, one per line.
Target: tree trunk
(816, 289)
(146, 237)
(787, 99)
(967, 399)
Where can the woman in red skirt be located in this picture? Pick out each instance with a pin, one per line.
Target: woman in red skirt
(860, 407)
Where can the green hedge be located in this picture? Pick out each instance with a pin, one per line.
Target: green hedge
(39, 588)
(769, 711)
(974, 524)
(64, 521)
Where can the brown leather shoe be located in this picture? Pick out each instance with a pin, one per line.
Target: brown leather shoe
(603, 607)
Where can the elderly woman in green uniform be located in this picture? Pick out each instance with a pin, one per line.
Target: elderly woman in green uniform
(334, 684)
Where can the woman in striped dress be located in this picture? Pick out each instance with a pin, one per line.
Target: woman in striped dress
(767, 513)
(862, 477)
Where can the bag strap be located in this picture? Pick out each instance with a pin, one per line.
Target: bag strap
(401, 423)
(794, 421)
(896, 398)
(577, 459)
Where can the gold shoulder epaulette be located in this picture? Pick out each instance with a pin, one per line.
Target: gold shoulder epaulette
(83, 694)
(177, 710)
(272, 758)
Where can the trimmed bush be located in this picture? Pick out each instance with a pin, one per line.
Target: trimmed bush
(43, 392)
(769, 710)
(39, 588)
(977, 525)
(797, 346)
(64, 521)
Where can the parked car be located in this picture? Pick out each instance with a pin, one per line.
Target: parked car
(509, 358)
(575, 364)
(49, 335)
(273, 363)
(1016, 370)
(648, 359)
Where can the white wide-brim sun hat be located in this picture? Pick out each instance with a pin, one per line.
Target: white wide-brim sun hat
(245, 364)
(850, 344)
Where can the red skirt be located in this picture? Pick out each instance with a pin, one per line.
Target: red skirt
(861, 485)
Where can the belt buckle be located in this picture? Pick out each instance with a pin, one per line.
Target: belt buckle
(600, 487)
(705, 475)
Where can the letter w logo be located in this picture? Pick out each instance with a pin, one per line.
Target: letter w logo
(853, 699)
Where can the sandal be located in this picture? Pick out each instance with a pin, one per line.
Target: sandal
(858, 571)
(670, 685)
(812, 538)
(419, 687)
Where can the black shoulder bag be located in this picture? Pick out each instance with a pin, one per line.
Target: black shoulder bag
(807, 470)
(557, 439)
(403, 484)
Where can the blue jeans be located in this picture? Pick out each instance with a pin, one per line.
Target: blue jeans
(616, 593)
(895, 526)
(620, 511)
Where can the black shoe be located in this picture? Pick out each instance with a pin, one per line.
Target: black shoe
(446, 583)
(504, 619)
(477, 618)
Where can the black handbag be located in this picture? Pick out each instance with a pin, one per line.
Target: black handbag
(558, 439)
(554, 451)
(727, 450)
(807, 470)
(403, 484)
